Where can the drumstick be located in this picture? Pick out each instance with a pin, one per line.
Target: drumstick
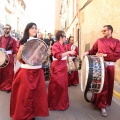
(35, 52)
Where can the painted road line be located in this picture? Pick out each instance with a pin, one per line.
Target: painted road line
(116, 94)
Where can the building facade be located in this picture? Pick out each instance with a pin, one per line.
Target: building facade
(84, 19)
(13, 12)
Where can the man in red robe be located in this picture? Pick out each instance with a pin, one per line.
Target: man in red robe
(73, 76)
(9, 44)
(109, 48)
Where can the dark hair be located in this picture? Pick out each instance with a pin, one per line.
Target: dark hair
(49, 33)
(59, 34)
(70, 38)
(109, 27)
(26, 33)
(8, 25)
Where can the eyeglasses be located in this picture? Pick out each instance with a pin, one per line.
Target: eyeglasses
(6, 28)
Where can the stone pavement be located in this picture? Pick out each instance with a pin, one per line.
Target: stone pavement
(116, 92)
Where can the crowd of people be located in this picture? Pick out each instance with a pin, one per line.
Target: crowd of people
(29, 97)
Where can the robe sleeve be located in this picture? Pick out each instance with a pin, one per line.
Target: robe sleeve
(14, 47)
(56, 52)
(115, 55)
(94, 49)
(77, 51)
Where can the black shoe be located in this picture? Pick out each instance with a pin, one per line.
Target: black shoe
(33, 119)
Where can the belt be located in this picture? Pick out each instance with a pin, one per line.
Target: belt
(27, 66)
(64, 58)
(109, 63)
(9, 52)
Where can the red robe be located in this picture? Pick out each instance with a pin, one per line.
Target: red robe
(28, 95)
(58, 86)
(7, 73)
(73, 77)
(111, 47)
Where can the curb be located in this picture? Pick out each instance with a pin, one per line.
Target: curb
(116, 94)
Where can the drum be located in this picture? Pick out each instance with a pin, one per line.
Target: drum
(4, 58)
(92, 75)
(77, 62)
(35, 52)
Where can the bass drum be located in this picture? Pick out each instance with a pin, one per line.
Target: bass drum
(35, 52)
(92, 75)
(4, 59)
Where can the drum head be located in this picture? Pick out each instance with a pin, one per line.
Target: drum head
(84, 73)
(35, 52)
(2, 57)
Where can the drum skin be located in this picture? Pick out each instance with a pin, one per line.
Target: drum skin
(4, 59)
(35, 52)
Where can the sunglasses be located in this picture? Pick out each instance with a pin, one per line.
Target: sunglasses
(6, 28)
(104, 30)
(63, 36)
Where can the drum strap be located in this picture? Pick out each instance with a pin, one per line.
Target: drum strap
(7, 42)
(89, 81)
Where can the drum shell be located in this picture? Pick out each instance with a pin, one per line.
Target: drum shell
(92, 70)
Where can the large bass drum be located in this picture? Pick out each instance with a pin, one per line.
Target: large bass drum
(4, 58)
(92, 75)
(35, 52)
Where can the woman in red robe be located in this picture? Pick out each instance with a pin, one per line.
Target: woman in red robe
(73, 75)
(28, 95)
(58, 86)
(109, 48)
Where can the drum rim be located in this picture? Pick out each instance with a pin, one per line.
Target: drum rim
(37, 39)
(5, 63)
(87, 69)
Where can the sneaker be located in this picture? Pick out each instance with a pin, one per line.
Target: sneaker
(103, 112)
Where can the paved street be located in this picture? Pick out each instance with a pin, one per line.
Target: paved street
(79, 109)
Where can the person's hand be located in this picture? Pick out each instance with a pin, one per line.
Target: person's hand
(21, 48)
(101, 55)
(72, 52)
(49, 52)
(86, 53)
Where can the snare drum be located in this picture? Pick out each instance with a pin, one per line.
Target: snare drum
(92, 75)
(35, 52)
(4, 59)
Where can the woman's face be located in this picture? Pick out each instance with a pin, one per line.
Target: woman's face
(64, 37)
(33, 31)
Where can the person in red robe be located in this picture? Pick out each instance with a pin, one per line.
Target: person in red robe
(73, 75)
(9, 45)
(28, 95)
(58, 86)
(109, 48)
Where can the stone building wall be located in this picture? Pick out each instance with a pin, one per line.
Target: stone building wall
(93, 17)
